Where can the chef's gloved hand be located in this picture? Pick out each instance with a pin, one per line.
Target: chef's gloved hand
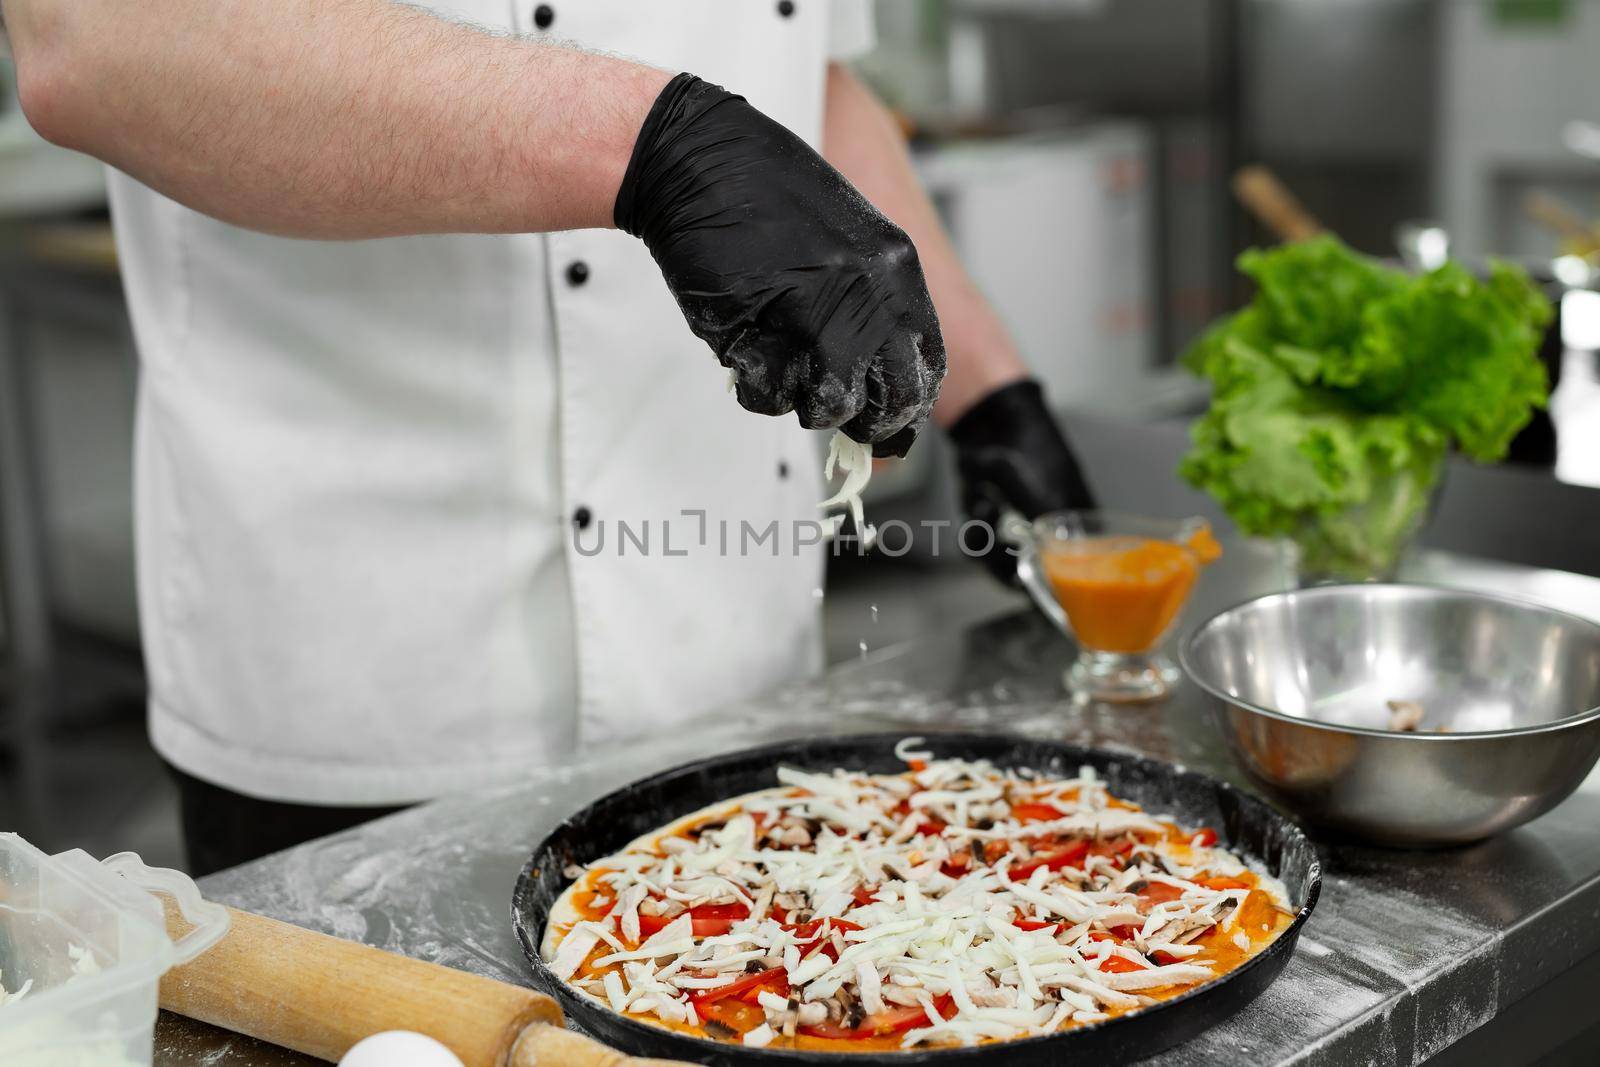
(813, 298)
(1011, 456)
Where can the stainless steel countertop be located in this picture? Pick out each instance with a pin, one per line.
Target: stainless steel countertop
(1406, 953)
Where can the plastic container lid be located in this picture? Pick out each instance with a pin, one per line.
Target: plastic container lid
(89, 942)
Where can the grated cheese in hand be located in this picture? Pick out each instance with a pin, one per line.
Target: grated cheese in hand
(854, 460)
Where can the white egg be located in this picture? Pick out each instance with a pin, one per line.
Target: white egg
(399, 1048)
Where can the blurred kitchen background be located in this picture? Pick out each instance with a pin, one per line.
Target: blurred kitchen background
(1082, 152)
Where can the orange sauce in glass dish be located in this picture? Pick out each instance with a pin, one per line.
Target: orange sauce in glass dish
(1121, 592)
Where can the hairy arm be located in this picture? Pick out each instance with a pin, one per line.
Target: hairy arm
(333, 118)
(862, 140)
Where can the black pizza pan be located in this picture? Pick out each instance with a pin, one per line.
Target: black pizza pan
(1245, 824)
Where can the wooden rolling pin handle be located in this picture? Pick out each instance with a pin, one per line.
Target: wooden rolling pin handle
(544, 1045)
(320, 995)
(1557, 217)
(1270, 201)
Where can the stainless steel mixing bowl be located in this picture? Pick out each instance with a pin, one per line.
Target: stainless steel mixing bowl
(1299, 683)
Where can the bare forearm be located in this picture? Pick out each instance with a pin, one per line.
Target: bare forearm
(863, 141)
(333, 118)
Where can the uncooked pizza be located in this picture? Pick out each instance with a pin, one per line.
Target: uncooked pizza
(955, 903)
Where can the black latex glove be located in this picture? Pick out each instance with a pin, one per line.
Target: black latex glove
(813, 298)
(1011, 456)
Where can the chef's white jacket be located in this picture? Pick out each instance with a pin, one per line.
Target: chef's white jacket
(359, 467)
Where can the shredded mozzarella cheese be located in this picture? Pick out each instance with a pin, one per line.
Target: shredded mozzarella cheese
(994, 903)
(16, 995)
(854, 460)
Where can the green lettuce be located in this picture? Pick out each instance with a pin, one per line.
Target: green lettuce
(1338, 391)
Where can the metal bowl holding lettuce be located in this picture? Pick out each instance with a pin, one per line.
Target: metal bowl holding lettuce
(1338, 392)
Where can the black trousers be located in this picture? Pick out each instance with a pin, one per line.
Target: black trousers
(223, 829)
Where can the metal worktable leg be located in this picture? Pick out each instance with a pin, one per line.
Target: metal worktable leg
(29, 645)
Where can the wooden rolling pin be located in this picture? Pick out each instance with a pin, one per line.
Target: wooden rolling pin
(320, 995)
(1578, 235)
(1271, 202)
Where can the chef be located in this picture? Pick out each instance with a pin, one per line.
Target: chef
(423, 300)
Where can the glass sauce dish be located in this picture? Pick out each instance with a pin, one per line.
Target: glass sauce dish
(1117, 584)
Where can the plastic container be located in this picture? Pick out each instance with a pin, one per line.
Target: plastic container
(89, 941)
